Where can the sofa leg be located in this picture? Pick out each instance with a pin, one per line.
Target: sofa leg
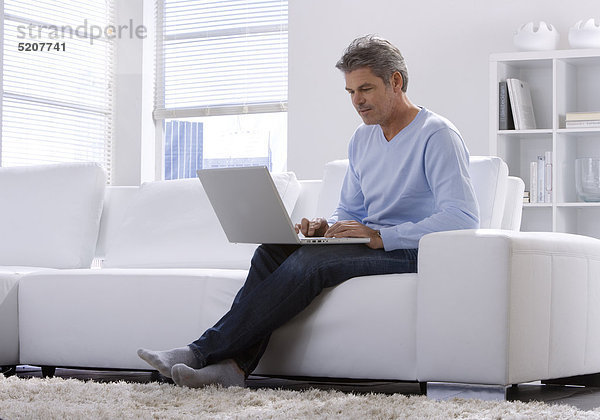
(592, 380)
(48, 371)
(423, 386)
(157, 377)
(8, 370)
(447, 391)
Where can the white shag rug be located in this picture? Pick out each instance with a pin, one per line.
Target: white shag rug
(58, 398)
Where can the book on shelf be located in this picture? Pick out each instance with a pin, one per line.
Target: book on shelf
(582, 120)
(505, 118)
(548, 177)
(583, 116)
(541, 179)
(520, 102)
(533, 181)
(583, 124)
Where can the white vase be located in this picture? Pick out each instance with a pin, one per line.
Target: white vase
(585, 34)
(534, 36)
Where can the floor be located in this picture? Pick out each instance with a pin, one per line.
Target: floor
(584, 398)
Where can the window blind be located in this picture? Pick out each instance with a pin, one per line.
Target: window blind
(221, 57)
(57, 103)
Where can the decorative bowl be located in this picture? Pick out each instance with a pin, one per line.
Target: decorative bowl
(587, 178)
(534, 36)
(585, 34)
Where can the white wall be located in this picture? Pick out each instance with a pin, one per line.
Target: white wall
(446, 44)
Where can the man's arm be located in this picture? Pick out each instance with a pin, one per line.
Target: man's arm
(446, 167)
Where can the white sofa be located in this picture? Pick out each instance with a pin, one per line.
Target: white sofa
(492, 306)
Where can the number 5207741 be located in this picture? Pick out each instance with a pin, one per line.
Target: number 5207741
(42, 46)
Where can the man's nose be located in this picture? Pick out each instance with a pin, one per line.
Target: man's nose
(358, 99)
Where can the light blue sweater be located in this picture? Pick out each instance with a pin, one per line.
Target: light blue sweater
(416, 183)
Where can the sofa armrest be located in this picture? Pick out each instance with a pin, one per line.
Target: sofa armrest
(503, 307)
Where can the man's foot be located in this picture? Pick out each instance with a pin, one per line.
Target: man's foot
(226, 373)
(163, 361)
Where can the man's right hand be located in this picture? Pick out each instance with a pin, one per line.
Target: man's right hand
(315, 227)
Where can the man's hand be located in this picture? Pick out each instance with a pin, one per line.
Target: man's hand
(353, 229)
(315, 227)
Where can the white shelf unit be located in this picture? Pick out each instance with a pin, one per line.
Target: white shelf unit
(560, 81)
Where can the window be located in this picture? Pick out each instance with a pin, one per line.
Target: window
(221, 84)
(57, 82)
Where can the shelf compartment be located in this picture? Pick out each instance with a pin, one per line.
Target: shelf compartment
(581, 219)
(577, 87)
(571, 145)
(518, 150)
(538, 74)
(537, 218)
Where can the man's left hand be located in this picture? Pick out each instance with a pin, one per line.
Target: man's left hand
(354, 229)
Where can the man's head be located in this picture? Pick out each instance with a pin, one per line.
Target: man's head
(377, 54)
(376, 78)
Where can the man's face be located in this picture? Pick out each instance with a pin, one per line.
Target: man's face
(373, 99)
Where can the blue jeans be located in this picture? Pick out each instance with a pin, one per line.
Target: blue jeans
(282, 281)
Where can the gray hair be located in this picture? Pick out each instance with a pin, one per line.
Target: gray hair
(378, 54)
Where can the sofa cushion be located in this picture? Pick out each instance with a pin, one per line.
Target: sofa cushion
(50, 214)
(333, 321)
(92, 318)
(171, 224)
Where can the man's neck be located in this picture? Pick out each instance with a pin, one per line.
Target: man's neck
(406, 113)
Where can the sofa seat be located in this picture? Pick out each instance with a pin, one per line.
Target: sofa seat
(364, 328)
(99, 318)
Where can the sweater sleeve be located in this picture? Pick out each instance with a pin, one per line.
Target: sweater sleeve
(446, 169)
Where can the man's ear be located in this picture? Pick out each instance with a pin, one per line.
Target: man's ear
(397, 81)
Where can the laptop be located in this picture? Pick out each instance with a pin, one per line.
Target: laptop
(250, 209)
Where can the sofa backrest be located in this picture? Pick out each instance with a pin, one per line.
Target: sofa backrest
(490, 180)
(50, 214)
(513, 206)
(489, 177)
(116, 202)
(333, 178)
(171, 224)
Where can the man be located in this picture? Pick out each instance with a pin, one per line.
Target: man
(408, 176)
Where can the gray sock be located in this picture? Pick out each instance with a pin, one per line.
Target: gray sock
(163, 361)
(226, 373)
